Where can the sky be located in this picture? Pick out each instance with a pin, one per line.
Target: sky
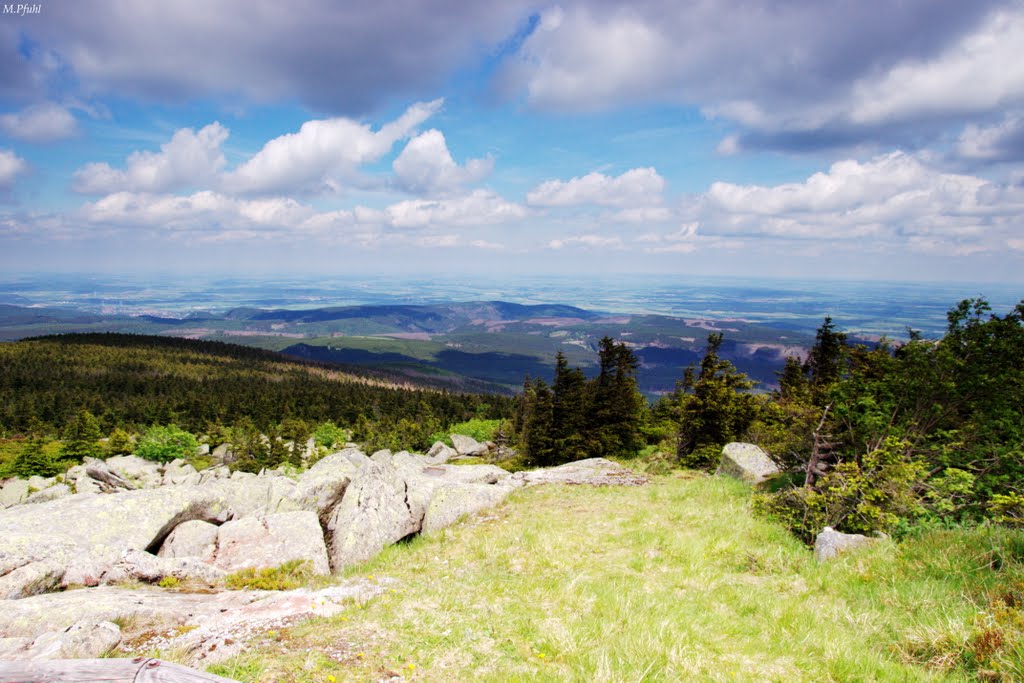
(836, 139)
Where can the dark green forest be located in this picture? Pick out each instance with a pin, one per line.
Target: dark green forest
(131, 382)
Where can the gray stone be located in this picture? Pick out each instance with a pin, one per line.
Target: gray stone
(202, 450)
(746, 462)
(271, 541)
(322, 486)
(81, 482)
(13, 648)
(441, 453)
(108, 479)
(39, 483)
(592, 471)
(212, 473)
(30, 578)
(138, 565)
(86, 535)
(831, 543)
(223, 454)
(81, 640)
(137, 471)
(48, 494)
(194, 538)
(376, 511)
(453, 501)
(178, 472)
(467, 445)
(13, 492)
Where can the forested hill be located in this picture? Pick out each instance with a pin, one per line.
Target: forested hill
(132, 381)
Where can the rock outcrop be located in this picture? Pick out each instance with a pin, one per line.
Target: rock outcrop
(746, 462)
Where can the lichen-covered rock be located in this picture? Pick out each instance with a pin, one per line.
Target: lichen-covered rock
(30, 577)
(440, 453)
(452, 501)
(81, 640)
(50, 493)
(108, 480)
(83, 536)
(13, 492)
(138, 565)
(467, 445)
(592, 471)
(194, 538)
(271, 541)
(377, 510)
(178, 472)
(322, 486)
(746, 462)
(140, 473)
(831, 543)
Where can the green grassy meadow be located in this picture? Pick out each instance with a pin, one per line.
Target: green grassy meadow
(673, 581)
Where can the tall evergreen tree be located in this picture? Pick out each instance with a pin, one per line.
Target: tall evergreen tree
(81, 438)
(33, 460)
(825, 361)
(714, 406)
(568, 410)
(616, 406)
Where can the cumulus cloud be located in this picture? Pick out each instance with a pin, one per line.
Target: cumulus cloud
(190, 158)
(639, 187)
(481, 207)
(46, 122)
(1003, 141)
(309, 160)
(11, 166)
(426, 166)
(587, 240)
(335, 57)
(891, 199)
(795, 74)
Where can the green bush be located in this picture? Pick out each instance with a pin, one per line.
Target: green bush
(330, 435)
(164, 444)
(481, 430)
(34, 460)
(289, 575)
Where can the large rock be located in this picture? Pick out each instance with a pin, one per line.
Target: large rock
(272, 541)
(109, 480)
(194, 538)
(467, 445)
(377, 510)
(30, 577)
(831, 543)
(322, 486)
(440, 453)
(13, 492)
(140, 473)
(592, 472)
(746, 462)
(84, 536)
(138, 565)
(178, 472)
(81, 640)
(48, 494)
(453, 501)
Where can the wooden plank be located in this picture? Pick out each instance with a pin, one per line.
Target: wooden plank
(138, 670)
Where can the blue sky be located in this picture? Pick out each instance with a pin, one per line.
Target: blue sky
(805, 139)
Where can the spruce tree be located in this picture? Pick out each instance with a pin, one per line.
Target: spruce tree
(33, 460)
(81, 438)
(568, 410)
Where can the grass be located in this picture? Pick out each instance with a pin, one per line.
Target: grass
(672, 581)
(292, 574)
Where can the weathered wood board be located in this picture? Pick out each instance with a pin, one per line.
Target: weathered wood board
(138, 670)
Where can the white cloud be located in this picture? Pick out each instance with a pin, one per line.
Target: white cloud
(426, 166)
(481, 207)
(309, 160)
(977, 74)
(11, 166)
(998, 142)
(639, 187)
(894, 199)
(188, 159)
(650, 214)
(45, 122)
(589, 240)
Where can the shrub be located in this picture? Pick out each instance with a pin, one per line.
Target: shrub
(164, 444)
(34, 460)
(481, 430)
(289, 575)
(329, 435)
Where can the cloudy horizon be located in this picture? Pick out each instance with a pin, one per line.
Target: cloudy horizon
(878, 141)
